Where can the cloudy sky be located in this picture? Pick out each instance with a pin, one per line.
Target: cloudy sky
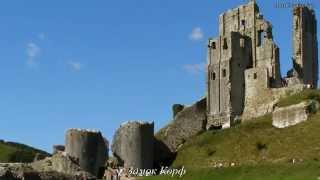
(95, 64)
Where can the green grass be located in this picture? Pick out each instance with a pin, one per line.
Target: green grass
(259, 151)
(299, 97)
(252, 143)
(304, 171)
(15, 152)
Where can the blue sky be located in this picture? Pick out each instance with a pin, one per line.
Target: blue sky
(95, 64)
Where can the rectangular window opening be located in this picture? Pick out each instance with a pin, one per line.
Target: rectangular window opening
(213, 76)
(224, 73)
(225, 43)
(260, 38)
(213, 45)
(243, 22)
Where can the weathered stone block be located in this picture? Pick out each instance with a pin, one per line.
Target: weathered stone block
(133, 145)
(291, 115)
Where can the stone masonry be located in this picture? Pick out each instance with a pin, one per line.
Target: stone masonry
(187, 123)
(283, 117)
(305, 46)
(243, 64)
(133, 145)
(88, 147)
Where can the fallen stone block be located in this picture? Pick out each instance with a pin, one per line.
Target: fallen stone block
(283, 117)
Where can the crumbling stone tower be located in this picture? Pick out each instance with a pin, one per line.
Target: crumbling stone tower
(305, 46)
(88, 147)
(133, 145)
(241, 59)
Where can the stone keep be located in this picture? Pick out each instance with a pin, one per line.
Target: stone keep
(243, 62)
(245, 42)
(88, 147)
(133, 145)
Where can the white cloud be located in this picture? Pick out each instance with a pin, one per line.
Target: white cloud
(196, 34)
(76, 66)
(195, 68)
(33, 51)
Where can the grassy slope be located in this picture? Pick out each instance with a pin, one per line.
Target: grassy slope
(259, 150)
(252, 143)
(15, 152)
(305, 171)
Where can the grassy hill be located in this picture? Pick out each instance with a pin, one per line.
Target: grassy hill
(256, 150)
(303, 171)
(15, 152)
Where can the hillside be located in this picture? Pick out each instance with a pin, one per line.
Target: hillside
(255, 150)
(15, 152)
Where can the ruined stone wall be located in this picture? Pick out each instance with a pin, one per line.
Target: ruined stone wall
(243, 76)
(228, 58)
(247, 20)
(245, 42)
(305, 47)
(240, 19)
(258, 97)
(186, 124)
(88, 147)
(268, 57)
(133, 145)
(265, 51)
(219, 77)
(241, 49)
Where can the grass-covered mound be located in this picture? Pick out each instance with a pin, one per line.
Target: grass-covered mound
(15, 152)
(256, 149)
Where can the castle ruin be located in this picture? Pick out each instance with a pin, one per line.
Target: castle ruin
(243, 81)
(133, 143)
(305, 46)
(243, 70)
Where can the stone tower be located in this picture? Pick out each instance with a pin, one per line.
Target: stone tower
(241, 60)
(133, 145)
(305, 46)
(228, 59)
(88, 147)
